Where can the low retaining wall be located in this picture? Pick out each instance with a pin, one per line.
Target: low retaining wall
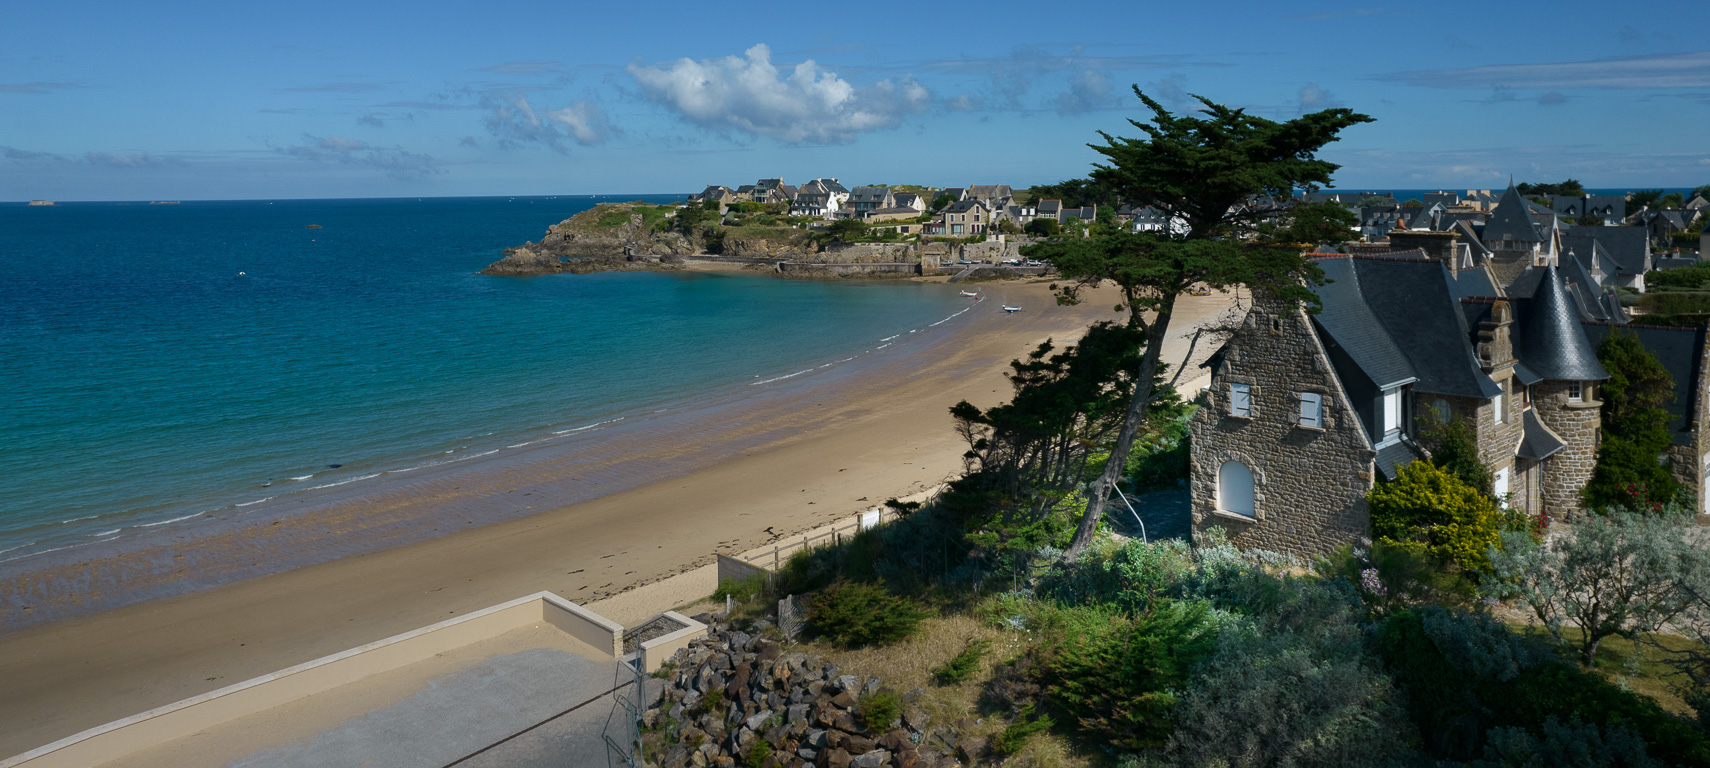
(655, 652)
(119, 738)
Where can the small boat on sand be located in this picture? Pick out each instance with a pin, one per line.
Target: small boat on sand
(970, 295)
(1008, 308)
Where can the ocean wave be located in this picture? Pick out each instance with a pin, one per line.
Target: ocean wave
(11, 549)
(303, 477)
(104, 533)
(243, 504)
(881, 346)
(187, 517)
(888, 338)
(591, 426)
(351, 480)
(948, 319)
(63, 522)
(781, 378)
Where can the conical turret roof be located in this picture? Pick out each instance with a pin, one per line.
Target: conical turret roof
(1511, 220)
(1551, 342)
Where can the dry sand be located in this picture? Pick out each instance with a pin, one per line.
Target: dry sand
(886, 433)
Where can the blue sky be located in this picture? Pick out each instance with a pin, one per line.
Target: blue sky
(165, 100)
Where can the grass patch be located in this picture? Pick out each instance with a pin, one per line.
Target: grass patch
(741, 590)
(618, 215)
(1652, 677)
(911, 664)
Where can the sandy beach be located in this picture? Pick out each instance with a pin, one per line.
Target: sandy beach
(816, 452)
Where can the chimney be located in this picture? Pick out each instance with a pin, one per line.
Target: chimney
(1438, 246)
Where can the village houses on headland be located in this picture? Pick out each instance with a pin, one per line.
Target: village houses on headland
(1487, 308)
(1481, 306)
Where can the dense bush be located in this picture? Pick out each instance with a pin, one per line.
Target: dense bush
(1675, 302)
(1292, 682)
(1429, 509)
(1117, 676)
(1467, 677)
(1573, 744)
(857, 615)
(1629, 472)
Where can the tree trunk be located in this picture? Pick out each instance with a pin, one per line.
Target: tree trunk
(1099, 494)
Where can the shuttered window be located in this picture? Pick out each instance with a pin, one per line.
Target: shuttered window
(1240, 400)
(1312, 410)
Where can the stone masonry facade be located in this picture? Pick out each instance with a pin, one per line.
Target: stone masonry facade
(1309, 484)
(1579, 425)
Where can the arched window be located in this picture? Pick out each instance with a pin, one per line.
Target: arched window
(1235, 488)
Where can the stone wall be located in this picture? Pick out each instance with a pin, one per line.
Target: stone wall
(1579, 426)
(1309, 484)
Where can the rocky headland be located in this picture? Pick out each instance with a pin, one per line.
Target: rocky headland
(602, 239)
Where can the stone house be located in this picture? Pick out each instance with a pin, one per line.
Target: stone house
(820, 197)
(964, 218)
(864, 199)
(1305, 411)
(718, 192)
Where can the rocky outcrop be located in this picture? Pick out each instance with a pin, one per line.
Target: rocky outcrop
(579, 245)
(732, 691)
(767, 248)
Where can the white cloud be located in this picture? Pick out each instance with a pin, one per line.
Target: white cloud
(748, 94)
(1313, 98)
(395, 161)
(1088, 91)
(514, 121)
(1670, 70)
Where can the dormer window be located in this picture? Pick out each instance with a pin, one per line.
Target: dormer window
(1576, 392)
(1391, 427)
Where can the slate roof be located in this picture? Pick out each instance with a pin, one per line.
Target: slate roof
(1474, 282)
(1050, 207)
(1679, 350)
(963, 206)
(956, 193)
(1537, 442)
(1394, 456)
(990, 191)
(1549, 340)
(1413, 313)
(869, 195)
(1512, 220)
(1628, 247)
(1350, 323)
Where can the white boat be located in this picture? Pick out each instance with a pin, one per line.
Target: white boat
(1008, 308)
(970, 295)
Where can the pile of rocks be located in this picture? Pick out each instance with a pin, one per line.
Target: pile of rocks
(731, 690)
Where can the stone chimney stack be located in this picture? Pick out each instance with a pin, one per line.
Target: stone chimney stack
(1438, 246)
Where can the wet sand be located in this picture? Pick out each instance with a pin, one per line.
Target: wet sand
(786, 460)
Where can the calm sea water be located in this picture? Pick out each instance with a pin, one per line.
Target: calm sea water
(145, 380)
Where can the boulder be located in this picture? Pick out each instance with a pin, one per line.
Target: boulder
(872, 759)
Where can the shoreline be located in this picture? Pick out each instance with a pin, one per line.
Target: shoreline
(838, 449)
(388, 507)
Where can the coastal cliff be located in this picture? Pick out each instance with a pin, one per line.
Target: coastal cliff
(602, 239)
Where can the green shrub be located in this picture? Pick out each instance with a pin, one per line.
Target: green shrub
(1014, 736)
(1117, 676)
(963, 665)
(1467, 676)
(1675, 302)
(857, 615)
(880, 709)
(757, 753)
(1430, 509)
(712, 700)
(741, 590)
(1128, 578)
(1574, 744)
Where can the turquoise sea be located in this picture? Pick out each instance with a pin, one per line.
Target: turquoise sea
(160, 362)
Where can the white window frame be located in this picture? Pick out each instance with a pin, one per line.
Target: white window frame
(1312, 410)
(1499, 484)
(1496, 408)
(1241, 400)
(1576, 392)
(1391, 404)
